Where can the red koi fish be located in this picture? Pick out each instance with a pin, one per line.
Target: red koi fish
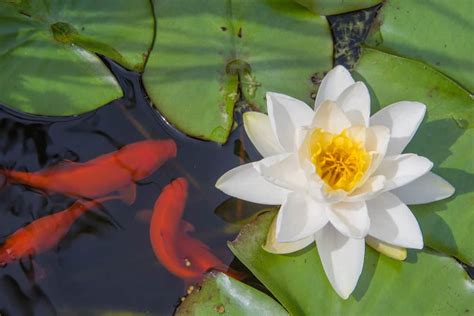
(44, 233)
(98, 177)
(181, 254)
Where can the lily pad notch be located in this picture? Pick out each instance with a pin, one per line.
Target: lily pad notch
(242, 50)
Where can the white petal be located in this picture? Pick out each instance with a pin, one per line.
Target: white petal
(259, 130)
(355, 102)
(319, 192)
(358, 133)
(377, 139)
(299, 217)
(403, 119)
(286, 116)
(392, 221)
(333, 84)
(370, 189)
(273, 246)
(350, 218)
(244, 182)
(330, 118)
(300, 136)
(286, 173)
(425, 189)
(402, 169)
(342, 258)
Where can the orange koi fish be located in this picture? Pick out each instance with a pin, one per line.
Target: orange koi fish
(181, 254)
(98, 177)
(44, 233)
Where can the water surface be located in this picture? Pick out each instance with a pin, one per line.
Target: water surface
(105, 263)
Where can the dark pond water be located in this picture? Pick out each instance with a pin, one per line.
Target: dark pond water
(105, 263)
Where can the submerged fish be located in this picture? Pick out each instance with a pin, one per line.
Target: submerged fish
(98, 177)
(46, 232)
(181, 254)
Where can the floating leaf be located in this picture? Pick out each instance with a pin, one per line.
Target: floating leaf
(445, 137)
(425, 284)
(47, 52)
(205, 49)
(220, 294)
(330, 7)
(437, 32)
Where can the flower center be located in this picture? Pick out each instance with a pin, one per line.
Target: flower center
(340, 160)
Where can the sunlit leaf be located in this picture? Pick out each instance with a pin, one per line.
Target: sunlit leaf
(426, 283)
(445, 137)
(438, 32)
(222, 295)
(205, 49)
(47, 52)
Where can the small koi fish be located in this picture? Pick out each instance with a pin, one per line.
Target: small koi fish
(181, 254)
(116, 171)
(46, 232)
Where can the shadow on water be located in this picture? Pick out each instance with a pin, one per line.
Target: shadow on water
(105, 262)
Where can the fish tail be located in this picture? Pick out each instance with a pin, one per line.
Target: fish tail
(238, 275)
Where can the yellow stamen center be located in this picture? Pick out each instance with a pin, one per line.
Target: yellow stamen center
(340, 160)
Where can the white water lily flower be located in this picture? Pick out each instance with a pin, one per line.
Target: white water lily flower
(338, 174)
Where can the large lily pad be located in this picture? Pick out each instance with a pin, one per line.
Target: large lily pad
(445, 137)
(425, 284)
(220, 294)
(330, 7)
(205, 48)
(47, 52)
(437, 32)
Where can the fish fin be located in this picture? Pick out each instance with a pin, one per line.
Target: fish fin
(39, 273)
(186, 227)
(33, 270)
(144, 215)
(128, 193)
(235, 274)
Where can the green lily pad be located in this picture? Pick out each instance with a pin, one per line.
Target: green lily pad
(47, 52)
(330, 7)
(205, 50)
(220, 294)
(425, 284)
(437, 32)
(445, 137)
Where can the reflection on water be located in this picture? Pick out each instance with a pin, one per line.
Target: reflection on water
(105, 262)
